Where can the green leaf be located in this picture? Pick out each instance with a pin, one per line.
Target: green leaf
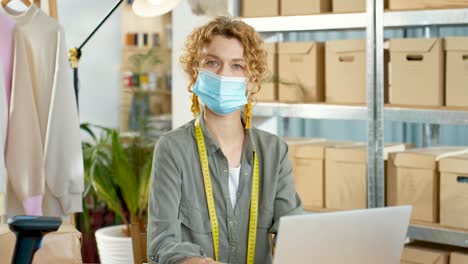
(105, 190)
(144, 186)
(87, 127)
(124, 176)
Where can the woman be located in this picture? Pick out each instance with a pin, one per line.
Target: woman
(203, 216)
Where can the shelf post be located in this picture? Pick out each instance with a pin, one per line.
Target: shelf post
(375, 104)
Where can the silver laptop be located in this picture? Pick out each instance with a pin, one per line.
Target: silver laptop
(367, 236)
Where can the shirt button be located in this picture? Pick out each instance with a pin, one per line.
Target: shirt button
(246, 173)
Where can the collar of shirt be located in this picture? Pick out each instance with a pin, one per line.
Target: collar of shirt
(211, 145)
(20, 17)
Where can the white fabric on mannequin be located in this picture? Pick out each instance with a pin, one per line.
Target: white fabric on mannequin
(54, 107)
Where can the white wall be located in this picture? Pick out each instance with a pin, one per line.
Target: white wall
(183, 22)
(99, 66)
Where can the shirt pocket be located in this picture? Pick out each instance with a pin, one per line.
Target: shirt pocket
(195, 227)
(194, 219)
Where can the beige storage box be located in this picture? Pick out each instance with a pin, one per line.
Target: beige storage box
(349, 6)
(454, 191)
(308, 161)
(346, 175)
(458, 258)
(456, 71)
(413, 178)
(426, 4)
(269, 89)
(301, 72)
(260, 8)
(304, 7)
(417, 72)
(425, 253)
(62, 246)
(345, 71)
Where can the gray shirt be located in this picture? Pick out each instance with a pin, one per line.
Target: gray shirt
(179, 225)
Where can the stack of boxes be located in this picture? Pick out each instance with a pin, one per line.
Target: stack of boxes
(418, 72)
(333, 175)
(267, 8)
(434, 181)
(426, 4)
(428, 253)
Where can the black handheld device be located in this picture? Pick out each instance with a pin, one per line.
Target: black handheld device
(29, 232)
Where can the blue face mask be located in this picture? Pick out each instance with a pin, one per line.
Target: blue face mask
(222, 95)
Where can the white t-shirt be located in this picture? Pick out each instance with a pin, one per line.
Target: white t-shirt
(234, 174)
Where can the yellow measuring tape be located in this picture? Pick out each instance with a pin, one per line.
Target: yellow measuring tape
(211, 204)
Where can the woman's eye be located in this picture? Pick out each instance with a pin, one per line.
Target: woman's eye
(212, 63)
(238, 67)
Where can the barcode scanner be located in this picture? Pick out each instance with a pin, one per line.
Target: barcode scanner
(29, 232)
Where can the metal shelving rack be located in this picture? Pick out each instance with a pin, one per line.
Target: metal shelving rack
(375, 20)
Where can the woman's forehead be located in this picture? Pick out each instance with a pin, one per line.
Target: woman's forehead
(224, 48)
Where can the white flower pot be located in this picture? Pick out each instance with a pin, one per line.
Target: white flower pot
(113, 246)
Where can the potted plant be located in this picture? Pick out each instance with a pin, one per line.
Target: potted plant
(117, 170)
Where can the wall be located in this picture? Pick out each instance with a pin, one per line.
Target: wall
(183, 22)
(99, 66)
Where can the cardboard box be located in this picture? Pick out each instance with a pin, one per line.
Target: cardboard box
(426, 4)
(458, 258)
(456, 80)
(269, 89)
(413, 178)
(349, 6)
(301, 72)
(424, 253)
(345, 71)
(63, 246)
(259, 8)
(417, 72)
(454, 191)
(308, 162)
(346, 175)
(304, 7)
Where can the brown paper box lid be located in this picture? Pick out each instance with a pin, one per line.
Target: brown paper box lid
(458, 258)
(413, 45)
(420, 158)
(316, 150)
(348, 153)
(343, 46)
(304, 147)
(296, 48)
(357, 153)
(454, 164)
(456, 43)
(270, 47)
(416, 255)
(301, 141)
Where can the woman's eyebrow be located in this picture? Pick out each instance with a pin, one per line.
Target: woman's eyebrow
(212, 55)
(218, 58)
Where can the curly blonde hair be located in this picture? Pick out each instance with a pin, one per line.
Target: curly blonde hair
(229, 27)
